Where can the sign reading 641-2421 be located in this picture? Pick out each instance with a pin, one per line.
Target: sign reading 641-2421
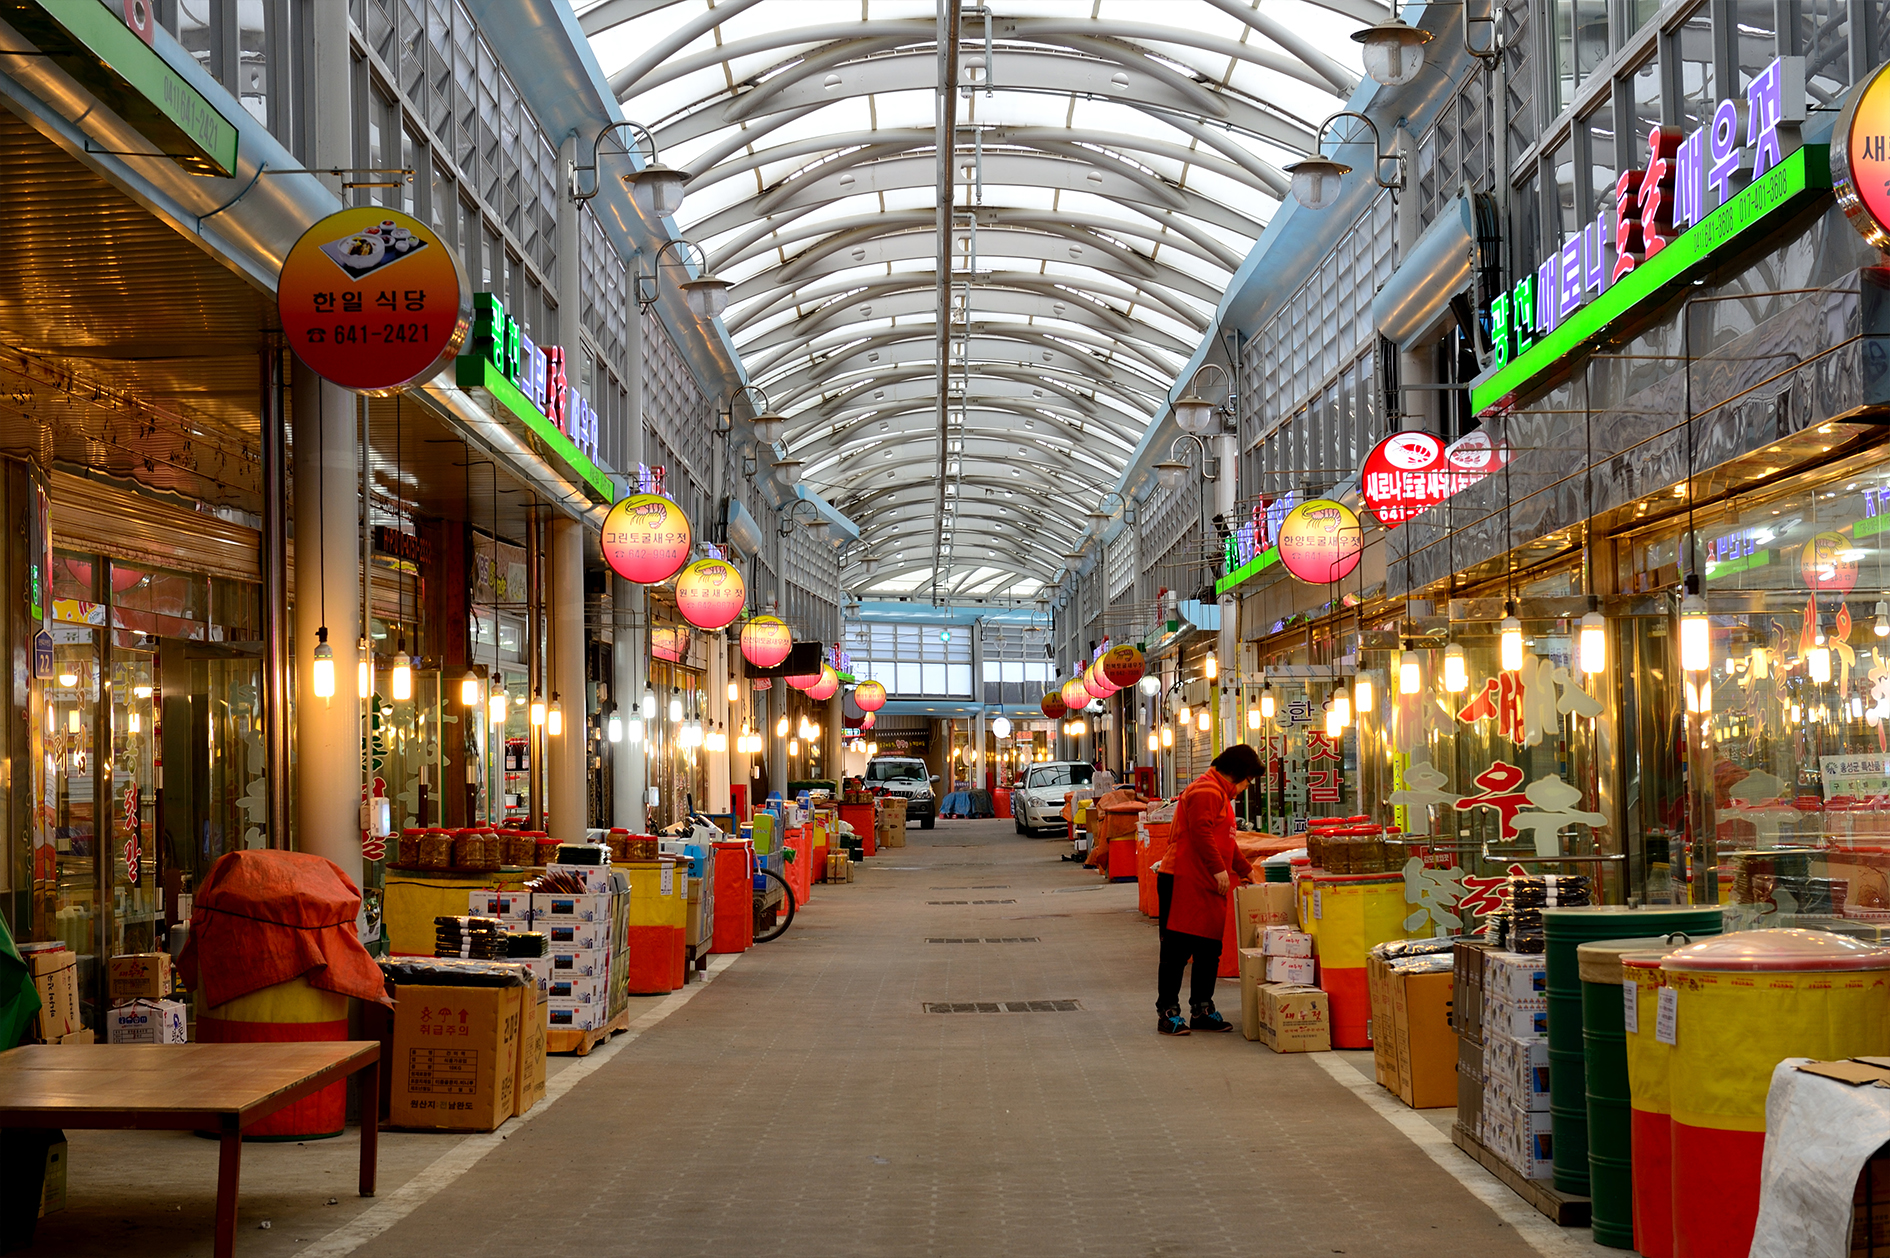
(372, 300)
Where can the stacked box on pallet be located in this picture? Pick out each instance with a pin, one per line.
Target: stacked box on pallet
(1467, 1016)
(1515, 1025)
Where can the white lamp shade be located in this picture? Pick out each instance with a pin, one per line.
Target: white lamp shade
(1172, 473)
(656, 189)
(1194, 414)
(769, 427)
(1316, 181)
(789, 470)
(1393, 52)
(706, 295)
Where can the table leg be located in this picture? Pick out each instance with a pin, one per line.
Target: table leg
(229, 1171)
(370, 1124)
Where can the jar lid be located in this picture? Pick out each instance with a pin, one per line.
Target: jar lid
(1789, 949)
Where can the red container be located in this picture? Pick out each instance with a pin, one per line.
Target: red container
(1001, 802)
(734, 897)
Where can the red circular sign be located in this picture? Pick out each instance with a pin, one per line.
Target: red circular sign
(371, 300)
(1123, 665)
(766, 641)
(1053, 705)
(1099, 686)
(1828, 563)
(826, 686)
(870, 695)
(1075, 695)
(806, 681)
(1860, 159)
(646, 539)
(710, 594)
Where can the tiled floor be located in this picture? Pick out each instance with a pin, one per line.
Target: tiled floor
(805, 1103)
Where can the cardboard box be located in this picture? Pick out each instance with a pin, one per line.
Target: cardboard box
(592, 989)
(1515, 976)
(1520, 1024)
(1285, 941)
(575, 936)
(550, 910)
(1425, 1045)
(595, 878)
(139, 976)
(1260, 905)
(83, 1036)
(1530, 1143)
(455, 1060)
(1294, 1019)
(1470, 1086)
(579, 961)
(572, 1015)
(1516, 1072)
(147, 1022)
(52, 1196)
(507, 906)
(1377, 1027)
(1253, 964)
(1466, 1002)
(56, 977)
(530, 1086)
(1291, 971)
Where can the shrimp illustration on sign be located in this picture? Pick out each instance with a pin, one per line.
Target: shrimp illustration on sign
(710, 594)
(646, 539)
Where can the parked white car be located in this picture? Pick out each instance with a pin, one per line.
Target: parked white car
(1038, 803)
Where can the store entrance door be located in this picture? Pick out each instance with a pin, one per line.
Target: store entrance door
(213, 798)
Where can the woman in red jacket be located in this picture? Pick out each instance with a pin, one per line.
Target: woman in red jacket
(1203, 859)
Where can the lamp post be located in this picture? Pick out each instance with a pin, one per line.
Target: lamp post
(706, 295)
(656, 189)
(1316, 179)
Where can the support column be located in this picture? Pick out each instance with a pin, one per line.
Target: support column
(715, 715)
(565, 755)
(830, 740)
(977, 751)
(327, 583)
(626, 688)
(535, 688)
(1227, 647)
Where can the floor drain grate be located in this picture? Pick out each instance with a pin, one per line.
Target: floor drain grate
(1003, 1006)
(994, 901)
(948, 901)
(1005, 939)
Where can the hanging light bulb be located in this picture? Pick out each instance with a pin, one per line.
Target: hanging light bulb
(364, 673)
(1759, 662)
(613, 728)
(1334, 727)
(1154, 742)
(1266, 700)
(1182, 714)
(1798, 714)
(1456, 669)
(1881, 626)
(1410, 673)
(1362, 694)
(1341, 706)
(1818, 663)
(675, 705)
(537, 710)
(872, 749)
(1593, 642)
(1201, 720)
(554, 719)
(781, 728)
(322, 677)
(1253, 718)
(648, 707)
(496, 706)
(794, 747)
(1150, 683)
(132, 723)
(633, 731)
(1168, 736)
(1211, 668)
(1857, 708)
(469, 690)
(72, 721)
(1511, 641)
(1696, 631)
(401, 682)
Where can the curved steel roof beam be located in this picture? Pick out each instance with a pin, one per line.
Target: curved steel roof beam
(1343, 81)
(624, 80)
(614, 13)
(794, 386)
(1104, 401)
(1095, 477)
(883, 509)
(1059, 73)
(992, 416)
(1288, 63)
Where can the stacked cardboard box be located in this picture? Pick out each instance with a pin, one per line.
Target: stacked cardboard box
(1289, 955)
(1294, 1019)
(1253, 968)
(1467, 1016)
(1260, 905)
(585, 972)
(1515, 1026)
(1414, 1040)
(55, 971)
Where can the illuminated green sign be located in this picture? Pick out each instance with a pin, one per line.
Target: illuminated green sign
(1247, 571)
(1744, 219)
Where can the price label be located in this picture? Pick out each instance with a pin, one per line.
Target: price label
(1631, 1008)
(1667, 1017)
(669, 879)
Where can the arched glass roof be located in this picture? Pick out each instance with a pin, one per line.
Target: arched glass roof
(1111, 164)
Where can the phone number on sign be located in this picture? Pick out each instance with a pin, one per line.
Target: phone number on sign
(365, 334)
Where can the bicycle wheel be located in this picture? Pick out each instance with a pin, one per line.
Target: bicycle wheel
(784, 916)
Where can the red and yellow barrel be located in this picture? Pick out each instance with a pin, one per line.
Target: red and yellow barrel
(287, 1013)
(652, 968)
(1742, 1004)
(1650, 1130)
(1348, 915)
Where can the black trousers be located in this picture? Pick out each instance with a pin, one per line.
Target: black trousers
(1164, 896)
(1178, 950)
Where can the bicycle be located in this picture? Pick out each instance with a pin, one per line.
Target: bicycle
(770, 922)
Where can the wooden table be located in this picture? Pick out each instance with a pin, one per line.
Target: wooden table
(186, 1087)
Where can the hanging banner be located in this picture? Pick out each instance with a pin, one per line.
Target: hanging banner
(646, 539)
(766, 641)
(1320, 541)
(870, 695)
(371, 300)
(710, 594)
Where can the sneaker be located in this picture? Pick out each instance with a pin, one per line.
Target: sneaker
(1209, 1019)
(1170, 1022)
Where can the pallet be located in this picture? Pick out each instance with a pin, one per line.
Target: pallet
(1563, 1209)
(565, 1040)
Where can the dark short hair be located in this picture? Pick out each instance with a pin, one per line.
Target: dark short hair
(1239, 763)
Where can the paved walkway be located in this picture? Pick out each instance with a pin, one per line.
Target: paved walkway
(805, 1103)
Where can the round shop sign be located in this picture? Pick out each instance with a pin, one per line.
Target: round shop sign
(826, 686)
(806, 681)
(870, 695)
(1053, 705)
(371, 300)
(1075, 696)
(1860, 159)
(1123, 665)
(766, 641)
(1403, 475)
(710, 594)
(1099, 687)
(1320, 541)
(646, 539)
(1828, 563)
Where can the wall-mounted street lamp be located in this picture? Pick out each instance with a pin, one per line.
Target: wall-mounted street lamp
(656, 189)
(769, 426)
(816, 523)
(1194, 413)
(705, 294)
(1393, 51)
(1316, 179)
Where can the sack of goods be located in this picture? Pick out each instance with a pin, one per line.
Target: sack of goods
(1515, 1120)
(476, 938)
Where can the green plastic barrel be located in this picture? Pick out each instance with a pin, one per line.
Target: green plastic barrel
(1277, 872)
(1564, 931)
(1610, 1103)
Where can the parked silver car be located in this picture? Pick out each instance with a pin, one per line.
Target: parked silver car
(1038, 803)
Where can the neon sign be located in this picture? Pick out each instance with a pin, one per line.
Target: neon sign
(538, 373)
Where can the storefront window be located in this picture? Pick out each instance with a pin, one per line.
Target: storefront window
(159, 603)
(1599, 125)
(1691, 49)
